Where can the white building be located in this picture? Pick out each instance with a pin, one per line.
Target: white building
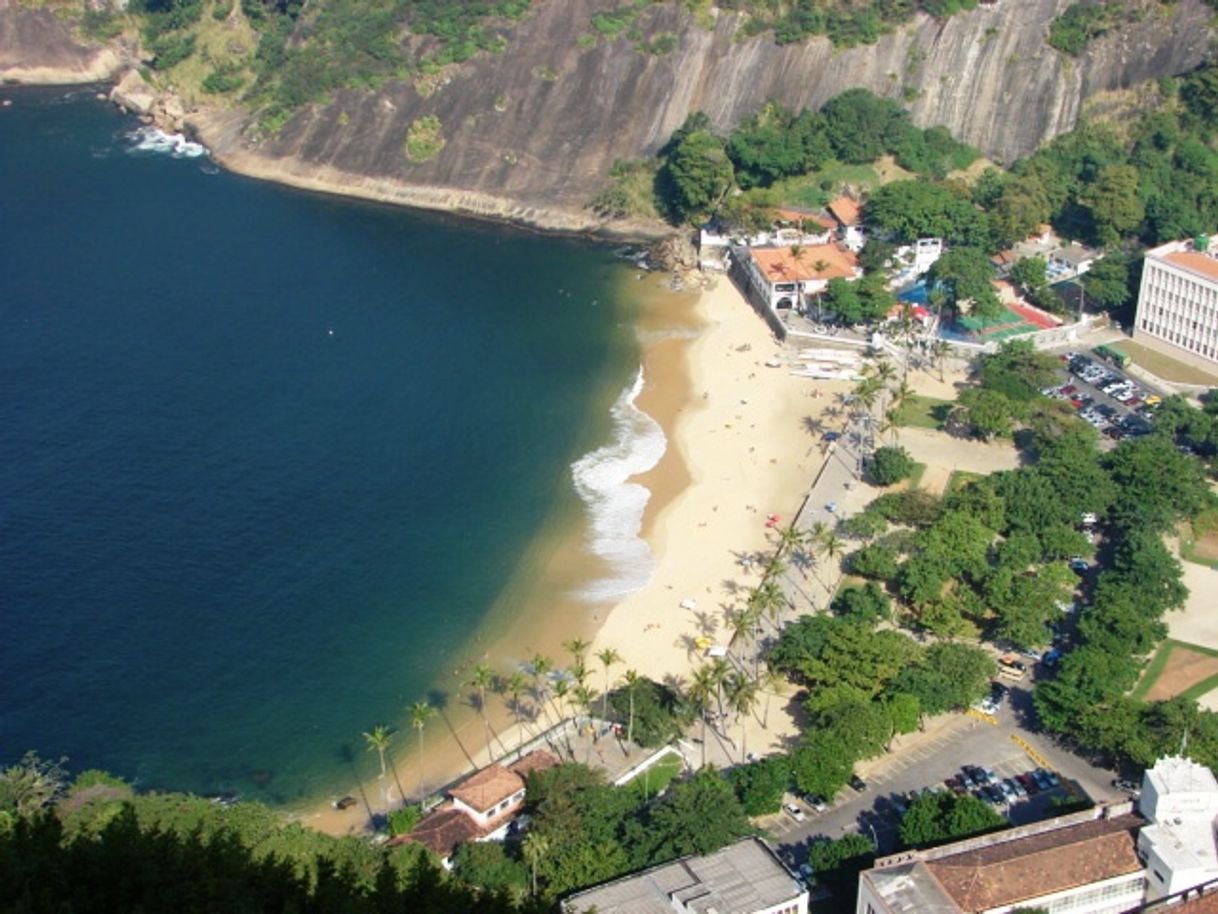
(742, 878)
(786, 277)
(1178, 302)
(1180, 798)
(849, 216)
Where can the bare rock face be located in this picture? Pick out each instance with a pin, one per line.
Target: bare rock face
(541, 124)
(168, 113)
(133, 94)
(38, 48)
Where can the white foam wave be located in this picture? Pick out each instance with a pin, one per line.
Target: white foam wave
(150, 139)
(616, 505)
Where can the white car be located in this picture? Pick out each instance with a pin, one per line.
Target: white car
(794, 812)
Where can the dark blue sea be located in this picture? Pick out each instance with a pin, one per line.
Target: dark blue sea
(266, 458)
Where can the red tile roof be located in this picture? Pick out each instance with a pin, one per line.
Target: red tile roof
(488, 787)
(537, 760)
(1206, 904)
(1008, 872)
(1195, 262)
(846, 210)
(441, 831)
(778, 265)
(795, 216)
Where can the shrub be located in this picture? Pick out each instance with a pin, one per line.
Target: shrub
(760, 785)
(868, 604)
(402, 821)
(424, 139)
(878, 560)
(890, 465)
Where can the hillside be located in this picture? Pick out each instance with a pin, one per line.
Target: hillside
(530, 133)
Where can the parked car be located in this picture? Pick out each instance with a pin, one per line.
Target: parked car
(794, 812)
(992, 794)
(1020, 791)
(966, 778)
(806, 872)
(1008, 792)
(1028, 783)
(955, 784)
(1078, 563)
(830, 436)
(1126, 785)
(857, 783)
(1046, 779)
(817, 803)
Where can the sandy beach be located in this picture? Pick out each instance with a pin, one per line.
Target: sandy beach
(739, 449)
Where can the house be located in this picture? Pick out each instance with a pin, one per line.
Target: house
(1178, 301)
(742, 878)
(848, 213)
(480, 807)
(786, 277)
(1071, 260)
(1106, 860)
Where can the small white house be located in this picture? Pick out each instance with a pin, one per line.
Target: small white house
(1071, 260)
(848, 213)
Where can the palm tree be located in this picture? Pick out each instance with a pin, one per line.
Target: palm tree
(939, 350)
(541, 665)
(577, 648)
(607, 657)
(701, 688)
(769, 601)
(420, 713)
(796, 251)
(514, 685)
(535, 848)
(740, 623)
(742, 696)
(481, 678)
(834, 546)
(632, 681)
(884, 372)
(719, 671)
(378, 739)
(790, 538)
(770, 681)
(583, 698)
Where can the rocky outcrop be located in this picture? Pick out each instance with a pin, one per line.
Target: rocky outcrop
(529, 135)
(37, 48)
(538, 127)
(132, 93)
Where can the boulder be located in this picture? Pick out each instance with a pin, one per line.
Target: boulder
(133, 94)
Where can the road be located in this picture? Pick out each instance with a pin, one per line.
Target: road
(927, 759)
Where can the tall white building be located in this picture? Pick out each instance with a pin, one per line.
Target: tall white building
(1178, 302)
(1179, 849)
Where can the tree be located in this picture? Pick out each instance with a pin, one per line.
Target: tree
(965, 275)
(890, 465)
(1030, 275)
(837, 863)
(861, 126)
(696, 176)
(823, 765)
(514, 685)
(987, 413)
(910, 210)
(841, 298)
(481, 678)
(742, 696)
(535, 849)
(632, 681)
(695, 817)
(1022, 205)
(485, 864)
(658, 713)
(1106, 284)
(941, 816)
(378, 740)
(608, 657)
(867, 604)
(760, 785)
(420, 713)
(877, 560)
(904, 710)
(1113, 202)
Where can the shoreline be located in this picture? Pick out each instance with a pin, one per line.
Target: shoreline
(738, 449)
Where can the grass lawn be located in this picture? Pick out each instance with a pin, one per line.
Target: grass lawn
(1165, 366)
(1198, 554)
(915, 478)
(959, 479)
(655, 778)
(1158, 663)
(805, 190)
(924, 412)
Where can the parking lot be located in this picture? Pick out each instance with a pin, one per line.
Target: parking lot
(1104, 396)
(981, 740)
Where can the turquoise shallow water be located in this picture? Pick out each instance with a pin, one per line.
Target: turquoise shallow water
(266, 458)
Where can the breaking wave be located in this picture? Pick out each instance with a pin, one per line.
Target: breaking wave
(150, 139)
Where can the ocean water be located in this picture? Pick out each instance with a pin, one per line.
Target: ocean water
(267, 458)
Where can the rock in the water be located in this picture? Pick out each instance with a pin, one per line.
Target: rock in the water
(168, 113)
(133, 94)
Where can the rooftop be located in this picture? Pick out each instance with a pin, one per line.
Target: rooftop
(798, 216)
(846, 210)
(1175, 774)
(1194, 262)
(488, 787)
(818, 261)
(1074, 254)
(1008, 872)
(442, 830)
(739, 879)
(537, 760)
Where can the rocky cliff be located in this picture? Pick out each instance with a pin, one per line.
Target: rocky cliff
(37, 47)
(530, 134)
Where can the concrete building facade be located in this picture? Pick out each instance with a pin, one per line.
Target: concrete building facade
(1178, 301)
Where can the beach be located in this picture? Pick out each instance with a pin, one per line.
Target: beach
(738, 450)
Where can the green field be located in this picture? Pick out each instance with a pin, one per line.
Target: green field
(656, 778)
(924, 412)
(808, 191)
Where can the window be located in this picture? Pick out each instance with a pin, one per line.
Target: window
(1158, 875)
